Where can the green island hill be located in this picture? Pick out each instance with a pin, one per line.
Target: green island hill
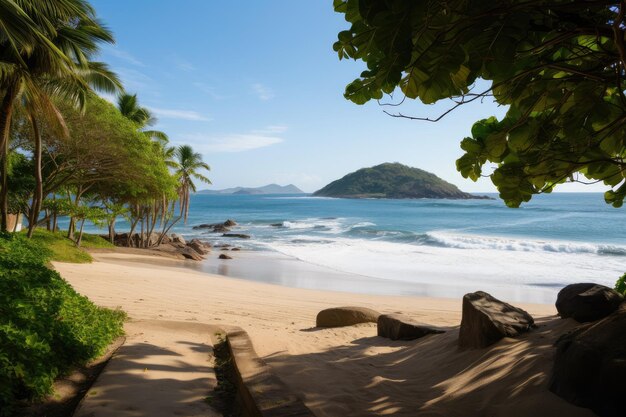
(393, 180)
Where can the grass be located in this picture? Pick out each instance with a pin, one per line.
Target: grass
(46, 328)
(65, 250)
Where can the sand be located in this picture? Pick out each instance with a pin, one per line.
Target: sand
(345, 371)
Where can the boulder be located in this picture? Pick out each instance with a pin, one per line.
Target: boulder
(230, 223)
(224, 256)
(399, 327)
(199, 246)
(590, 365)
(178, 239)
(486, 320)
(235, 249)
(220, 228)
(237, 235)
(586, 302)
(276, 224)
(224, 249)
(189, 253)
(345, 316)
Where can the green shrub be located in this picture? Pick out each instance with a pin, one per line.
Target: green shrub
(46, 328)
(620, 285)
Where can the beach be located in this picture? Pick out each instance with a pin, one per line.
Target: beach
(346, 371)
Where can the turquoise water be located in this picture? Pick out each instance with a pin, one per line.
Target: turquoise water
(444, 247)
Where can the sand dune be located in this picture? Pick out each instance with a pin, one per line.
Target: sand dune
(346, 371)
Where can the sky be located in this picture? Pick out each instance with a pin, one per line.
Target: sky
(257, 89)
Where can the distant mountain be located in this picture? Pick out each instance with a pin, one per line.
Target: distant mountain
(267, 189)
(393, 180)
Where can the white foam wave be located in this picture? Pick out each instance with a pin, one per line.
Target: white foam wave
(459, 241)
(484, 268)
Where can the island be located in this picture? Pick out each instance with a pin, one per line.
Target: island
(266, 189)
(393, 180)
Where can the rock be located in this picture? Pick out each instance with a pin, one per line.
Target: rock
(220, 228)
(224, 256)
(399, 327)
(178, 239)
(590, 365)
(217, 227)
(486, 320)
(276, 224)
(237, 235)
(190, 253)
(236, 249)
(345, 316)
(587, 302)
(224, 249)
(198, 246)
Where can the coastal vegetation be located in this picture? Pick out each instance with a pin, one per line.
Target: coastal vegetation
(558, 66)
(392, 180)
(46, 328)
(66, 152)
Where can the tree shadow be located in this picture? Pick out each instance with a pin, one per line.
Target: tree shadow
(145, 380)
(430, 376)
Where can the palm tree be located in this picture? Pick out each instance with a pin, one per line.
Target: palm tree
(129, 106)
(188, 164)
(49, 57)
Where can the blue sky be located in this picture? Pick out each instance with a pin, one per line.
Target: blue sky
(257, 89)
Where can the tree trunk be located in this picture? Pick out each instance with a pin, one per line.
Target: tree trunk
(112, 230)
(6, 111)
(80, 233)
(38, 194)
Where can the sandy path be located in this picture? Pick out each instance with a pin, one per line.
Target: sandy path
(345, 371)
(163, 369)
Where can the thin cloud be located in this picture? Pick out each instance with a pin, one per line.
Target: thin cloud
(237, 142)
(179, 114)
(126, 56)
(206, 88)
(263, 92)
(185, 65)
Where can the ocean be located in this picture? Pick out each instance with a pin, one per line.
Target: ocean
(425, 247)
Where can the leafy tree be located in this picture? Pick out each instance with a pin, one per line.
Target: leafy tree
(51, 54)
(558, 65)
(188, 165)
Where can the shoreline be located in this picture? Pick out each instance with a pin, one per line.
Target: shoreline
(346, 371)
(273, 267)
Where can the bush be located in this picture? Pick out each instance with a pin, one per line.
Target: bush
(46, 328)
(620, 285)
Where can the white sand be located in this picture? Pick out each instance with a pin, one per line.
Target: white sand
(346, 371)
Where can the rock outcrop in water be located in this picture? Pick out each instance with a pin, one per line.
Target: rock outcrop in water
(393, 180)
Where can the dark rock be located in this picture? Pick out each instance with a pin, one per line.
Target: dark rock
(224, 256)
(399, 327)
(345, 316)
(189, 253)
(224, 249)
(237, 235)
(178, 239)
(277, 224)
(203, 226)
(217, 227)
(220, 228)
(587, 302)
(590, 365)
(487, 320)
(236, 249)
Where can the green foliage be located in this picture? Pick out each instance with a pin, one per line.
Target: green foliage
(45, 326)
(391, 181)
(620, 285)
(556, 65)
(62, 249)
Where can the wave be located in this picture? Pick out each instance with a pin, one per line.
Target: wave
(510, 244)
